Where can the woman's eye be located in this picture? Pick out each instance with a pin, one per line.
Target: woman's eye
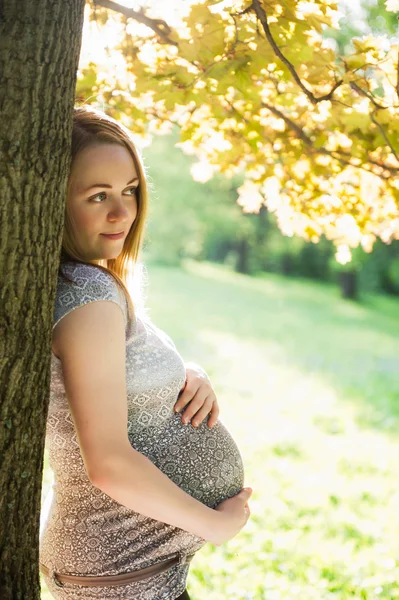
(96, 196)
(134, 188)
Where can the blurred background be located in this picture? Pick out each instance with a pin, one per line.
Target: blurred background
(203, 222)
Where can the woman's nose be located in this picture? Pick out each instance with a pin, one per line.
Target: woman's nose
(118, 211)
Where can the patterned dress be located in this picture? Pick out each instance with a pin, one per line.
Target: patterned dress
(86, 532)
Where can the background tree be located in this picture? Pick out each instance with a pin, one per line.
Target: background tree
(40, 45)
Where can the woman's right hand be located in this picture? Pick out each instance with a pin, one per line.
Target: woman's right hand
(235, 512)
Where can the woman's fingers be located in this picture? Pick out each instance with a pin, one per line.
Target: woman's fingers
(187, 394)
(198, 408)
(203, 411)
(214, 414)
(200, 400)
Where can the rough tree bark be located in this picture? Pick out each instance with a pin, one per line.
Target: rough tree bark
(40, 43)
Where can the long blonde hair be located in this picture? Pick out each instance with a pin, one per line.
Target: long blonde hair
(91, 127)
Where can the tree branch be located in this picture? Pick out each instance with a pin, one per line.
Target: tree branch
(367, 94)
(298, 131)
(236, 112)
(377, 106)
(397, 77)
(384, 134)
(261, 15)
(159, 26)
(343, 157)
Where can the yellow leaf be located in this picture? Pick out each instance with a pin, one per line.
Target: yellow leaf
(355, 62)
(317, 75)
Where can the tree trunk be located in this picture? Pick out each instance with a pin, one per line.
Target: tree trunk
(348, 282)
(242, 249)
(287, 264)
(40, 44)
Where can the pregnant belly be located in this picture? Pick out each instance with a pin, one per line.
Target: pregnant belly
(204, 461)
(91, 533)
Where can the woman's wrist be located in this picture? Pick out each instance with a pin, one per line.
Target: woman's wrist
(213, 526)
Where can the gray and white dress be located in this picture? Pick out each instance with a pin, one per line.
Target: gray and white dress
(85, 531)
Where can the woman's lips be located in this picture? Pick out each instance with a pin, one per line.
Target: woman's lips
(114, 236)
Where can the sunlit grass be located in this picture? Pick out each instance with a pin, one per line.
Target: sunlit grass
(308, 386)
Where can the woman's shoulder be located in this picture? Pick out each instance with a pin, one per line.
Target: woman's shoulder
(81, 283)
(77, 269)
(85, 276)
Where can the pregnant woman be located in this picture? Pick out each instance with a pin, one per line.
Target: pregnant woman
(136, 490)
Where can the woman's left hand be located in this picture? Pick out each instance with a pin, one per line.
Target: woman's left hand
(200, 397)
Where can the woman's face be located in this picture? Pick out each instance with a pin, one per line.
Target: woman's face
(102, 198)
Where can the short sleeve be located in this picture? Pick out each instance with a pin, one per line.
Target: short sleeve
(90, 284)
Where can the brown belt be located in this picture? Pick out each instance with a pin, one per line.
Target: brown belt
(110, 580)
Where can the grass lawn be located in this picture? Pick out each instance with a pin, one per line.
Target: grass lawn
(308, 385)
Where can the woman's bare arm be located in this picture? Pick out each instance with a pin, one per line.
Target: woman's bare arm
(134, 481)
(90, 342)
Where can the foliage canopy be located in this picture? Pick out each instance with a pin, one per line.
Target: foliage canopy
(256, 88)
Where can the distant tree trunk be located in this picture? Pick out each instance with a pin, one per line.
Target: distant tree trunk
(242, 248)
(262, 233)
(348, 283)
(263, 224)
(287, 264)
(40, 44)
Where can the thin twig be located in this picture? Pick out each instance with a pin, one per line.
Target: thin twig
(339, 155)
(299, 132)
(384, 134)
(159, 26)
(236, 112)
(397, 77)
(367, 94)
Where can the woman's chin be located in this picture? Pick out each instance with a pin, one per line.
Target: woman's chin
(103, 255)
(108, 253)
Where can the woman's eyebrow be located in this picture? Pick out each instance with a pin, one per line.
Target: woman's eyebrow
(105, 185)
